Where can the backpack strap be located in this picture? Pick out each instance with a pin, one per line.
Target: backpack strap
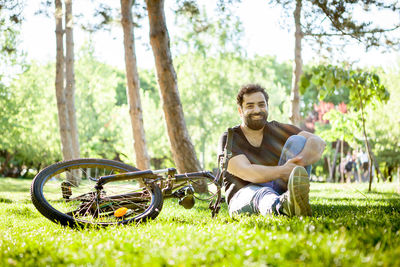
(225, 156)
(228, 148)
(223, 159)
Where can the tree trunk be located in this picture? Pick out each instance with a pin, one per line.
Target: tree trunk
(328, 163)
(389, 173)
(341, 169)
(70, 79)
(377, 169)
(66, 146)
(135, 106)
(182, 148)
(333, 169)
(297, 67)
(4, 165)
(366, 141)
(398, 179)
(39, 167)
(370, 159)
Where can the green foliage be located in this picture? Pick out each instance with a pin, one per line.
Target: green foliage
(29, 121)
(383, 121)
(101, 105)
(29, 131)
(104, 124)
(206, 31)
(343, 126)
(310, 93)
(363, 87)
(154, 124)
(10, 19)
(120, 92)
(100, 123)
(207, 93)
(349, 228)
(11, 60)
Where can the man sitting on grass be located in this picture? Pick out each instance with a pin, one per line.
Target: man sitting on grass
(269, 170)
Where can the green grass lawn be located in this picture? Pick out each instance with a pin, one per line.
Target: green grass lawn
(350, 227)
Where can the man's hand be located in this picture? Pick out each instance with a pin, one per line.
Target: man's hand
(300, 161)
(287, 168)
(241, 167)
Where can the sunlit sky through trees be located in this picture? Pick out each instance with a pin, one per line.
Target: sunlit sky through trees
(262, 24)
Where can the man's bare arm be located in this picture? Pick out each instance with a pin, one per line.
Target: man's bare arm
(241, 167)
(312, 150)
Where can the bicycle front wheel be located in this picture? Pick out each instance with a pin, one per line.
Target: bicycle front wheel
(65, 193)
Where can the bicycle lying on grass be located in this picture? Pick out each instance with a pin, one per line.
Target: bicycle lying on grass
(103, 192)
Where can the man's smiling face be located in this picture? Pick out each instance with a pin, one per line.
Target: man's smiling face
(254, 110)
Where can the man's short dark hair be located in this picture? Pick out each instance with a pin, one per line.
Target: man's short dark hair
(250, 89)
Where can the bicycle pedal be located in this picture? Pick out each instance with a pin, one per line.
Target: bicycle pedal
(122, 212)
(187, 202)
(184, 191)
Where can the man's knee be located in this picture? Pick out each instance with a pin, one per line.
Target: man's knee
(296, 139)
(295, 143)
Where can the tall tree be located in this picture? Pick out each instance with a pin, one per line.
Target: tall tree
(182, 148)
(322, 20)
(294, 115)
(133, 87)
(65, 131)
(70, 79)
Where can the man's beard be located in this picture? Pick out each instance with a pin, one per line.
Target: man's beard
(257, 124)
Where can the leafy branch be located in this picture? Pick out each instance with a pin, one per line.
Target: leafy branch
(364, 89)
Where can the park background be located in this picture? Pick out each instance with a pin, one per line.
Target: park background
(216, 46)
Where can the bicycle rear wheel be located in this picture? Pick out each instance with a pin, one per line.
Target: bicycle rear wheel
(65, 193)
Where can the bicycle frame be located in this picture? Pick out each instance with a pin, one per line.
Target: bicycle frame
(169, 176)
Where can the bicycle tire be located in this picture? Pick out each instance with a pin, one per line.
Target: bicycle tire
(53, 187)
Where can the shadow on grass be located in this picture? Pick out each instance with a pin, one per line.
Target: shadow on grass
(368, 201)
(5, 200)
(353, 191)
(354, 220)
(361, 216)
(329, 216)
(338, 210)
(349, 211)
(383, 193)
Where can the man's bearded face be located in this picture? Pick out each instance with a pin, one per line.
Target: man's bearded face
(256, 121)
(254, 111)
